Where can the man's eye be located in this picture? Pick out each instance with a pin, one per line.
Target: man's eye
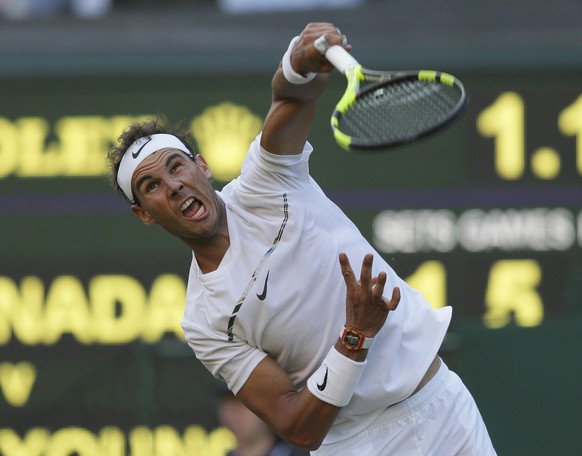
(151, 187)
(176, 166)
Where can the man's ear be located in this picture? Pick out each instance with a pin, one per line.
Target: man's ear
(142, 214)
(199, 159)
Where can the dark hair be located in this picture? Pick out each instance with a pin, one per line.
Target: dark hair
(140, 130)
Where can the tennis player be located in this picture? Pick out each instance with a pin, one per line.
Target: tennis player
(287, 302)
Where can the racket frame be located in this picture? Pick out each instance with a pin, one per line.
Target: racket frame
(356, 75)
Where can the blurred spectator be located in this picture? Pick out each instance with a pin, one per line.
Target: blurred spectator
(256, 6)
(39, 9)
(254, 437)
(90, 8)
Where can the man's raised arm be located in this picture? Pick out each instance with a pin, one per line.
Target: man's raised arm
(299, 81)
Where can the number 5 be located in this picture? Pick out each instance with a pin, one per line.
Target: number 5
(511, 290)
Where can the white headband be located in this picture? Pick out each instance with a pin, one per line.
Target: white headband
(140, 150)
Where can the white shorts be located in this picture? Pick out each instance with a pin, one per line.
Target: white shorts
(442, 419)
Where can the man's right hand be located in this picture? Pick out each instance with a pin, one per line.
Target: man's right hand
(305, 58)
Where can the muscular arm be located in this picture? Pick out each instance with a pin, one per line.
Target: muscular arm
(298, 416)
(288, 122)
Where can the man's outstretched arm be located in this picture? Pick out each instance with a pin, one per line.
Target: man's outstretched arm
(289, 120)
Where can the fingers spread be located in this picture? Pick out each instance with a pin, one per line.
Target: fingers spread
(395, 300)
(366, 272)
(379, 283)
(346, 268)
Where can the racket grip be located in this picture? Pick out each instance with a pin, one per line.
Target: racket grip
(336, 55)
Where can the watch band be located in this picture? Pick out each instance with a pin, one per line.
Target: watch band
(354, 339)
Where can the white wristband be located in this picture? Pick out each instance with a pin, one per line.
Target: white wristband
(335, 380)
(290, 74)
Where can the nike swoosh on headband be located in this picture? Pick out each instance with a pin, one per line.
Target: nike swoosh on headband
(139, 151)
(136, 154)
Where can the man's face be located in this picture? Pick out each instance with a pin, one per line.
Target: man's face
(175, 192)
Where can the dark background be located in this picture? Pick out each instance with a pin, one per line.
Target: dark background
(179, 58)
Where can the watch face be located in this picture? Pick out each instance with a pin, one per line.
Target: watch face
(352, 339)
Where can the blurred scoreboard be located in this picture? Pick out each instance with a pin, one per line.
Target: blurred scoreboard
(485, 216)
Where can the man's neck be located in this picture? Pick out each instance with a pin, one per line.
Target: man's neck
(209, 256)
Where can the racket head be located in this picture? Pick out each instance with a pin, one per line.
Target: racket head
(395, 109)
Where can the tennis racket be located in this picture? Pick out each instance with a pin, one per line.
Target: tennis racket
(382, 109)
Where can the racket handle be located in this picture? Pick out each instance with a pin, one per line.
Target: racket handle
(336, 55)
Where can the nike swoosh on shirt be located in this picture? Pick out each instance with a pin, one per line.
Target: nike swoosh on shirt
(263, 295)
(258, 269)
(324, 383)
(136, 154)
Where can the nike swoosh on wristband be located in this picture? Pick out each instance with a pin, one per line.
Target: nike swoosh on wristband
(136, 154)
(324, 383)
(263, 295)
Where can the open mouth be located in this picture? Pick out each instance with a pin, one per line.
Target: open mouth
(193, 208)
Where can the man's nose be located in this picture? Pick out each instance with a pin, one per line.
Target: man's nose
(174, 186)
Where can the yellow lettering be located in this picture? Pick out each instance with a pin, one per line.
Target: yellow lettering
(504, 121)
(73, 441)
(111, 441)
(67, 311)
(511, 291)
(21, 313)
(16, 381)
(115, 309)
(168, 442)
(197, 441)
(33, 444)
(166, 308)
(28, 313)
(570, 123)
(115, 325)
(79, 148)
(220, 441)
(430, 279)
(9, 300)
(8, 147)
(141, 442)
(84, 142)
(34, 160)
